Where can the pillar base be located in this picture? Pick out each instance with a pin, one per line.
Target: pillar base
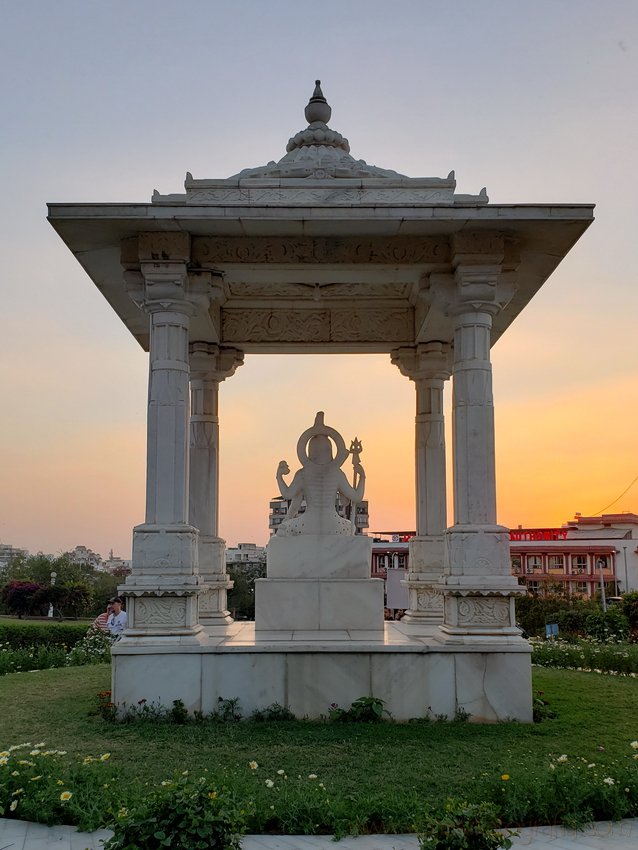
(170, 612)
(213, 609)
(480, 613)
(425, 600)
(215, 583)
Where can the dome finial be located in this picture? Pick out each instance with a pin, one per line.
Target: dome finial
(318, 108)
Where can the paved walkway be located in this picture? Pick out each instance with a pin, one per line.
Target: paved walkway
(620, 835)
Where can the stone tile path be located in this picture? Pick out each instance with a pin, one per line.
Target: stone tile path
(622, 835)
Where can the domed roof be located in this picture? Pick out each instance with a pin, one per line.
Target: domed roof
(318, 151)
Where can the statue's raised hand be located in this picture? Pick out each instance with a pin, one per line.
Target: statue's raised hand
(283, 468)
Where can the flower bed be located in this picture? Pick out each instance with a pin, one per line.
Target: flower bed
(93, 648)
(586, 654)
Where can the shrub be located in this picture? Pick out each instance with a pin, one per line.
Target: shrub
(19, 596)
(182, 815)
(464, 826)
(611, 625)
(94, 648)
(533, 612)
(629, 607)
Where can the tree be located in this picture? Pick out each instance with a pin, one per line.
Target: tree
(38, 568)
(629, 607)
(241, 599)
(19, 596)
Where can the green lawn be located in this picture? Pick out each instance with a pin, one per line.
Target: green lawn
(392, 769)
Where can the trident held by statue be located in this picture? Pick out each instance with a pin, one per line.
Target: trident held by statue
(356, 447)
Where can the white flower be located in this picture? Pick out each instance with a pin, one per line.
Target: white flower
(14, 805)
(609, 781)
(312, 776)
(562, 758)
(591, 765)
(280, 773)
(269, 783)
(552, 767)
(634, 745)
(253, 765)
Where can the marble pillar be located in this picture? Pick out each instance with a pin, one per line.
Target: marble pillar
(163, 588)
(429, 366)
(209, 365)
(478, 586)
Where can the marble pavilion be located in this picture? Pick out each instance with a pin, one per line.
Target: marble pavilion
(321, 252)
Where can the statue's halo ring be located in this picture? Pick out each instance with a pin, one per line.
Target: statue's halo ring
(315, 431)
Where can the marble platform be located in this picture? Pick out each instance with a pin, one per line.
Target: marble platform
(415, 673)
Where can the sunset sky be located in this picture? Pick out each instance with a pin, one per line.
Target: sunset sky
(107, 100)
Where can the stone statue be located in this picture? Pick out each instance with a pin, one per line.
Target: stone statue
(318, 482)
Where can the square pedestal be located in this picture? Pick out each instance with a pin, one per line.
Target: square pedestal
(317, 605)
(319, 556)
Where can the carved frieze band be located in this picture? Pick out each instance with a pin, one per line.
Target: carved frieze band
(398, 251)
(348, 325)
(330, 196)
(279, 289)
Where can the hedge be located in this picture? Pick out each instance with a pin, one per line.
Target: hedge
(21, 635)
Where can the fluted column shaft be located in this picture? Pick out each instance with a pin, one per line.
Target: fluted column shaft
(428, 366)
(473, 420)
(210, 365)
(168, 415)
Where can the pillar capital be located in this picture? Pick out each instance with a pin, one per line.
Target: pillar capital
(426, 361)
(210, 362)
(166, 289)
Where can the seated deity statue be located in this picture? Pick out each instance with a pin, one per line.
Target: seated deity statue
(318, 483)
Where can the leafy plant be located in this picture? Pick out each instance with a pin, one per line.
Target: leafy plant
(461, 715)
(272, 712)
(541, 709)
(464, 826)
(362, 710)
(105, 708)
(228, 710)
(182, 815)
(178, 713)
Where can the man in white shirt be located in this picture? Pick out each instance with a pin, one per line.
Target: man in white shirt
(118, 618)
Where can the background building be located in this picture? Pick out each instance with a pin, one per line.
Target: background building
(579, 555)
(7, 552)
(246, 553)
(84, 556)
